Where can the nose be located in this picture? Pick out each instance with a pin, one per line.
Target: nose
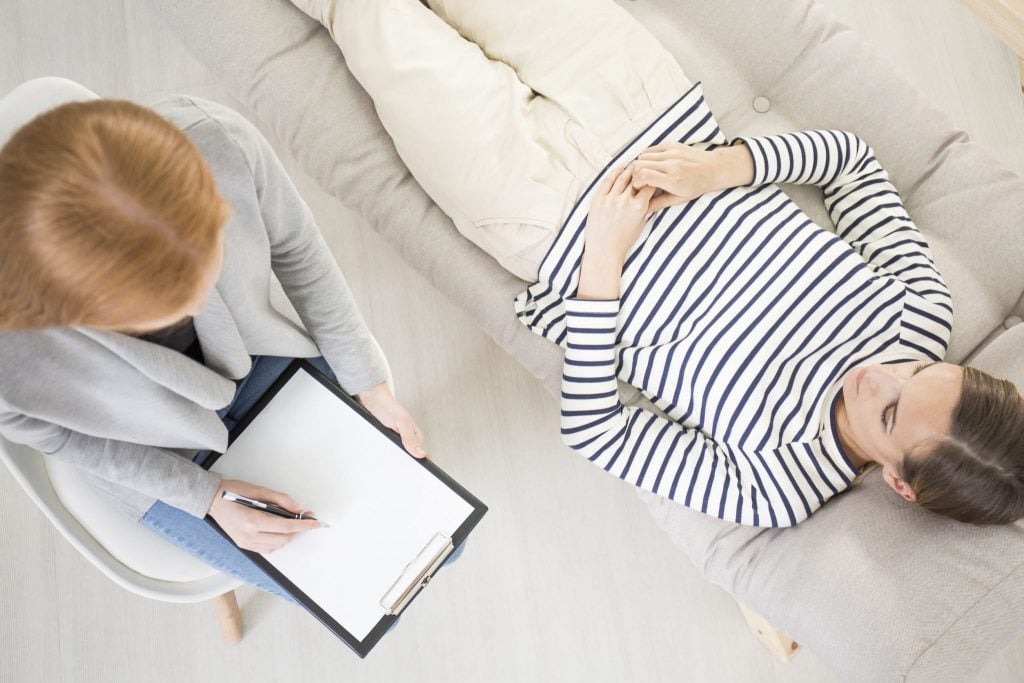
(881, 379)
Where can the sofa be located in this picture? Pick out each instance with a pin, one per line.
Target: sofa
(878, 588)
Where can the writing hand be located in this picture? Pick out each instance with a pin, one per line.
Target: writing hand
(252, 529)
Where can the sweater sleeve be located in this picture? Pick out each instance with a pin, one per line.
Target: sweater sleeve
(151, 471)
(640, 447)
(864, 205)
(305, 266)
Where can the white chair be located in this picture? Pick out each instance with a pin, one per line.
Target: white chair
(127, 553)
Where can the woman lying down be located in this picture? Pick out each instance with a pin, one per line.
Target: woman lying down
(782, 358)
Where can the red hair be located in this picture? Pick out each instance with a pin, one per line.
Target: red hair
(110, 216)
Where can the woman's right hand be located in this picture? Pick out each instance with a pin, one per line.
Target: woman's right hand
(252, 529)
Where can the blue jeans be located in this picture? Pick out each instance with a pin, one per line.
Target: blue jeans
(196, 536)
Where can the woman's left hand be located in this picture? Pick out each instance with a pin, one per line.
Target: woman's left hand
(617, 215)
(616, 219)
(386, 408)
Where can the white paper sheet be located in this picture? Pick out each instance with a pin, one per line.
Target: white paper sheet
(382, 506)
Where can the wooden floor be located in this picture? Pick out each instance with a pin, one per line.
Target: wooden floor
(538, 594)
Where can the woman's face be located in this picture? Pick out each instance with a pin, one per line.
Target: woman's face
(193, 308)
(890, 408)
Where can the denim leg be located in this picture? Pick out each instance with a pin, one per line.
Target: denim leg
(199, 539)
(455, 554)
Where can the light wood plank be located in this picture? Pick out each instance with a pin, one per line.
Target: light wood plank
(1005, 18)
(229, 618)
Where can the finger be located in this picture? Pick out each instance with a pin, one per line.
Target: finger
(656, 164)
(644, 197)
(637, 181)
(609, 180)
(653, 154)
(664, 201)
(650, 176)
(278, 498)
(660, 147)
(282, 525)
(412, 438)
(641, 168)
(622, 181)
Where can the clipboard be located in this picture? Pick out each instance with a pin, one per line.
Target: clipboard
(411, 563)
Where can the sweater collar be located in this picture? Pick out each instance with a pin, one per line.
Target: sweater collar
(829, 431)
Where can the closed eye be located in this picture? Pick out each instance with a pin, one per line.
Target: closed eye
(895, 404)
(885, 410)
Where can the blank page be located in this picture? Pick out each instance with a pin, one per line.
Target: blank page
(383, 507)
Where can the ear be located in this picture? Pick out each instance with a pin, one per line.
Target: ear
(898, 485)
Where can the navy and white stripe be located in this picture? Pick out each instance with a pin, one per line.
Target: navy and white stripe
(738, 318)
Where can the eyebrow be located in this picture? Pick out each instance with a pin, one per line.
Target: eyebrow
(896, 406)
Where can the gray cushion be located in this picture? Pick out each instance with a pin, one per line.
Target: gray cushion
(832, 582)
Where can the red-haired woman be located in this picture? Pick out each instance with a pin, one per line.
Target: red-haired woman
(158, 270)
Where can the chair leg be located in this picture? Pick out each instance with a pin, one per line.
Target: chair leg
(777, 642)
(228, 616)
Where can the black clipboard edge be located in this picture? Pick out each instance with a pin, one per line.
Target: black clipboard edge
(360, 647)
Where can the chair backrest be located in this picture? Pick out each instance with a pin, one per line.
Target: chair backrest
(34, 97)
(122, 534)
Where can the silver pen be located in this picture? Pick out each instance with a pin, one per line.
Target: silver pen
(268, 507)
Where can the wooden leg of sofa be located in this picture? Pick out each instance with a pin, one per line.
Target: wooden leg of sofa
(228, 616)
(777, 642)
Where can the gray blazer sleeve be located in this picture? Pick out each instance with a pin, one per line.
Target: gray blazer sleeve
(304, 264)
(152, 471)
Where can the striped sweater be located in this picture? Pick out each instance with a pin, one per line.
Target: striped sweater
(737, 319)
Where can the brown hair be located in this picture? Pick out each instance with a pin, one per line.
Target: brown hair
(110, 216)
(976, 474)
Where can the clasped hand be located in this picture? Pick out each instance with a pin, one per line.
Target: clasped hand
(661, 176)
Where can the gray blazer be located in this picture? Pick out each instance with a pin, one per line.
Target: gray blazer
(131, 413)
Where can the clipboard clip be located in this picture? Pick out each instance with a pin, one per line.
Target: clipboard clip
(417, 574)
